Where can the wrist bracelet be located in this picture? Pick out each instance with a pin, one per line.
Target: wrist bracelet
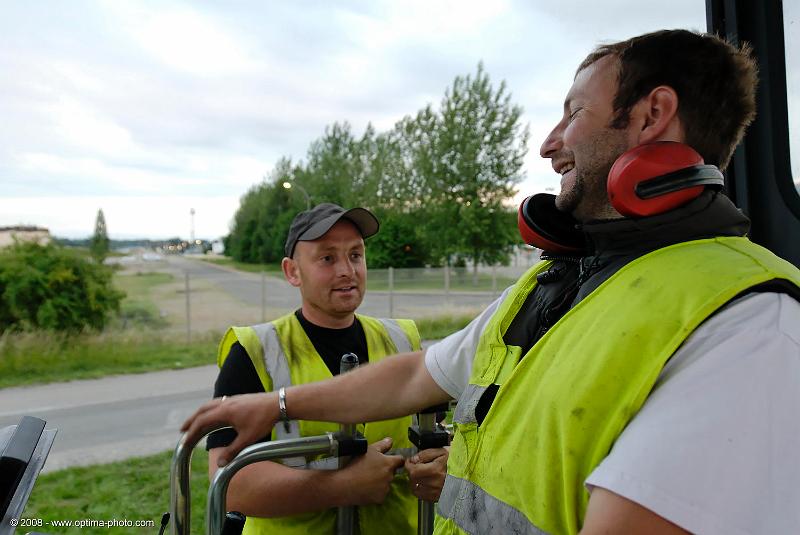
(282, 408)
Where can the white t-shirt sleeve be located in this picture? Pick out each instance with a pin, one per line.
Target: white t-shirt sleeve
(449, 361)
(716, 446)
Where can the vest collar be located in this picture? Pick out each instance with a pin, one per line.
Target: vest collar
(710, 215)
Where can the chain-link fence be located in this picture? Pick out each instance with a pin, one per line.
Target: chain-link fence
(192, 296)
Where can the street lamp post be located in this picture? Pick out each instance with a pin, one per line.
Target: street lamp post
(289, 185)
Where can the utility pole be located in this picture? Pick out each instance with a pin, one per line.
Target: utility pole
(191, 213)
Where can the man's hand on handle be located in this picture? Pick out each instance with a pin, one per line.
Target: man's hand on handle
(369, 476)
(426, 473)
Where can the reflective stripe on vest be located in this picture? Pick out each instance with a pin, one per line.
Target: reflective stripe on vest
(397, 335)
(278, 369)
(476, 511)
(467, 403)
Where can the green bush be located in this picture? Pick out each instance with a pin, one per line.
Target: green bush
(52, 288)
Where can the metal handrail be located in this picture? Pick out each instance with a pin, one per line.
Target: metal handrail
(266, 451)
(179, 483)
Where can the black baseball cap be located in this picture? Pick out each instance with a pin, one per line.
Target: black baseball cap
(314, 223)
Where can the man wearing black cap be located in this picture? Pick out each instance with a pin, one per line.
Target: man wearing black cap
(325, 260)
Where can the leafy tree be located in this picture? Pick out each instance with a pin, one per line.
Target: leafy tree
(263, 218)
(50, 287)
(438, 181)
(398, 243)
(341, 168)
(408, 185)
(100, 244)
(478, 153)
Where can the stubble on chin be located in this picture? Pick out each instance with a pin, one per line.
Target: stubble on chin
(588, 199)
(569, 199)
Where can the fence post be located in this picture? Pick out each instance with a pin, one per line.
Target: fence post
(391, 292)
(447, 281)
(494, 281)
(263, 297)
(188, 309)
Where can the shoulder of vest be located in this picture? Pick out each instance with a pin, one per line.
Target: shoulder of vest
(731, 248)
(528, 279)
(252, 339)
(286, 318)
(388, 327)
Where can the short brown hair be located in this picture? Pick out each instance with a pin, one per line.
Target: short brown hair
(714, 80)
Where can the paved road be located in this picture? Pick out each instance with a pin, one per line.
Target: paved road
(279, 294)
(114, 418)
(103, 420)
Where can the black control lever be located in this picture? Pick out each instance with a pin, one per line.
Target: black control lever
(234, 523)
(426, 434)
(350, 445)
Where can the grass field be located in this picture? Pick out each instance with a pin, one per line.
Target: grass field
(135, 489)
(138, 309)
(42, 357)
(436, 327)
(140, 283)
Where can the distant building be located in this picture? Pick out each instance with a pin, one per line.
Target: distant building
(23, 233)
(217, 247)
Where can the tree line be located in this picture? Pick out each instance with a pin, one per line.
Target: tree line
(439, 182)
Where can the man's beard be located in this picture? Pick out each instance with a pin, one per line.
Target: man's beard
(587, 199)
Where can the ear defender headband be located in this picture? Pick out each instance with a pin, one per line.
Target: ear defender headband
(658, 177)
(644, 181)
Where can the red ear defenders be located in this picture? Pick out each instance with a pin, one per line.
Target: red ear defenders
(658, 177)
(644, 181)
(543, 225)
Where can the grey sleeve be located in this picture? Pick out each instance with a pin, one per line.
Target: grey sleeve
(449, 361)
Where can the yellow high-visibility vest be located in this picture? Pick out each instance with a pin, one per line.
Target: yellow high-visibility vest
(559, 410)
(283, 355)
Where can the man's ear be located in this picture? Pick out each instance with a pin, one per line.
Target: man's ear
(291, 271)
(658, 116)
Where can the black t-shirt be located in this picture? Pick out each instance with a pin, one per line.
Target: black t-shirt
(238, 375)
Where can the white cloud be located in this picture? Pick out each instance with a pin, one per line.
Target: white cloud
(84, 128)
(184, 39)
(173, 99)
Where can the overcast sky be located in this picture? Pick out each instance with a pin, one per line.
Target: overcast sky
(149, 109)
